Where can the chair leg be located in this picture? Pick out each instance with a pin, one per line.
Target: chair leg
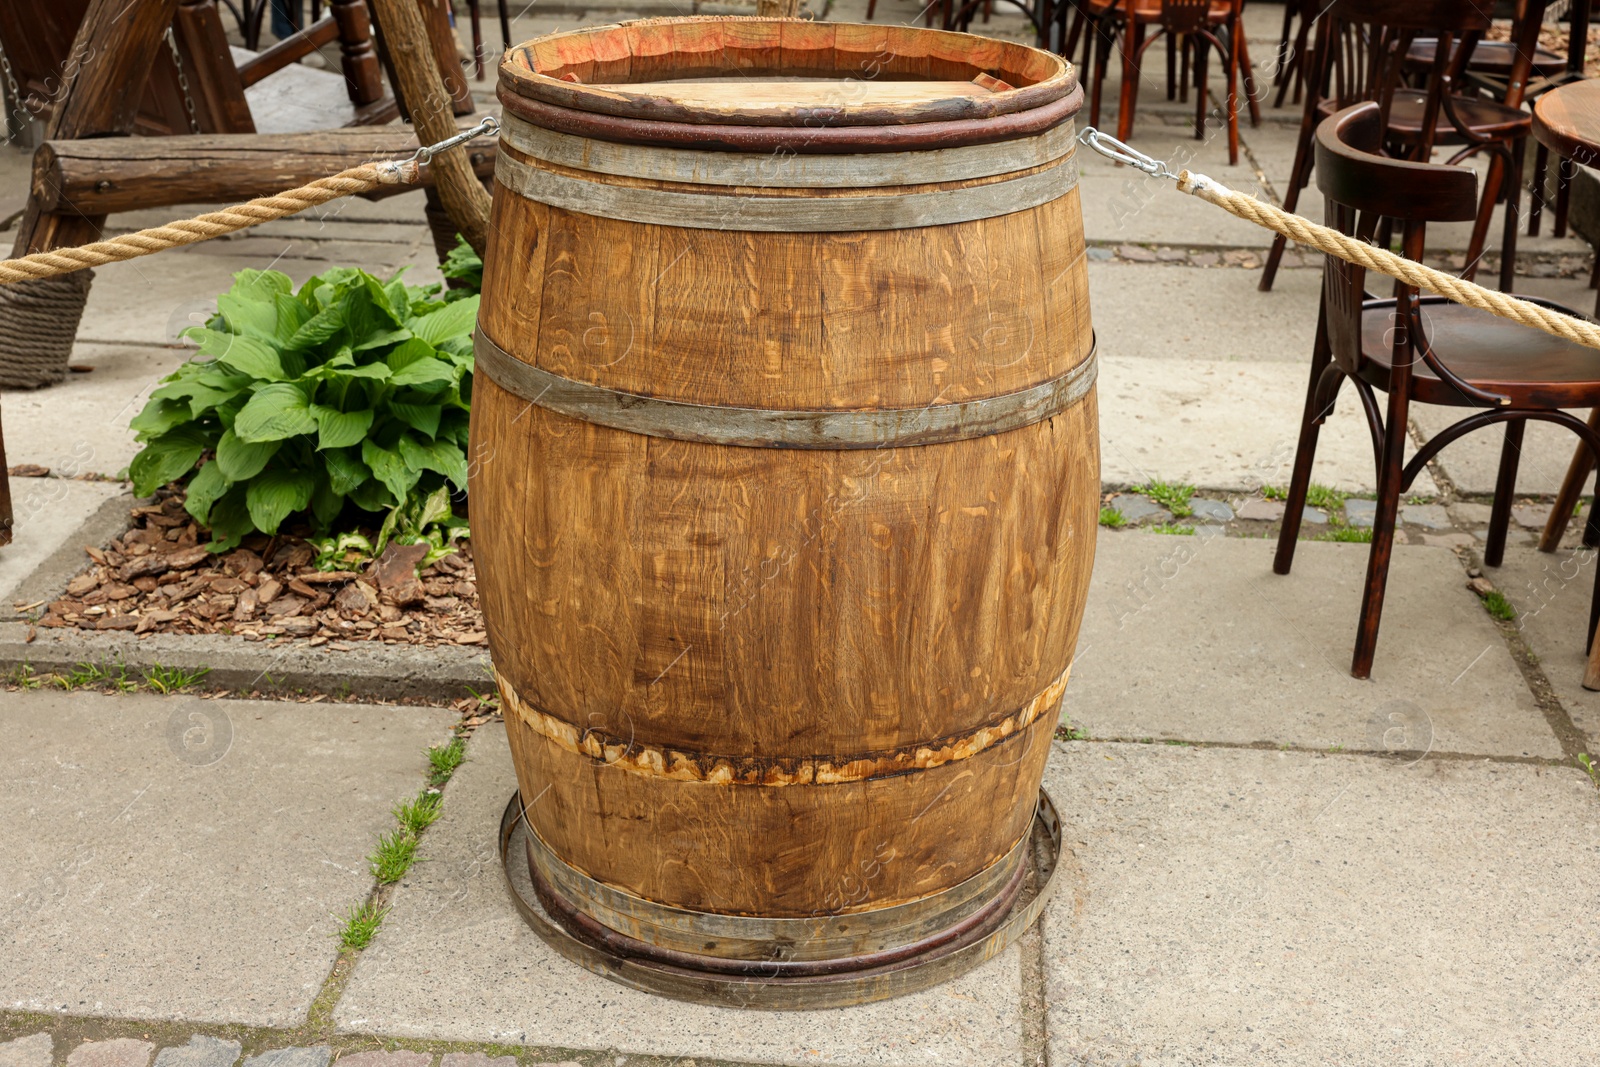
(1230, 99)
(872, 7)
(505, 25)
(1104, 35)
(475, 16)
(1492, 184)
(1305, 452)
(1591, 525)
(1513, 199)
(1172, 65)
(1132, 52)
(1188, 43)
(1591, 671)
(1389, 475)
(1578, 471)
(1505, 488)
(1252, 91)
(1202, 53)
(1298, 176)
(1564, 173)
(1541, 169)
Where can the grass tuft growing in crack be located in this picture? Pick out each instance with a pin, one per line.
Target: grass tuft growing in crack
(1113, 518)
(444, 759)
(393, 857)
(1496, 604)
(1175, 498)
(360, 923)
(166, 680)
(22, 676)
(415, 816)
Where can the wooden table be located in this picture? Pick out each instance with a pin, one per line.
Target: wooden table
(1566, 120)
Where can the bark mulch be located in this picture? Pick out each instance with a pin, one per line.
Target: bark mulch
(160, 578)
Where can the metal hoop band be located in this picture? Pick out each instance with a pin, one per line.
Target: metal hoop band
(742, 937)
(771, 428)
(787, 170)
(785, 214)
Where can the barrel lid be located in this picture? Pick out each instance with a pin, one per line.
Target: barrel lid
(764, 72)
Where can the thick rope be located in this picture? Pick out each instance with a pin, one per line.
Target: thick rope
(1305, 232)
(352, 182)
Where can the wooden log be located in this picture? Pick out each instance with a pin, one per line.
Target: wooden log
(122, 40)
(107, 175)
(422, 90)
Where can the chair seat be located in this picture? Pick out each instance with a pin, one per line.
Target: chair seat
(1484, 117)
(1533, 368)
(1150, 10)
(1489, 57)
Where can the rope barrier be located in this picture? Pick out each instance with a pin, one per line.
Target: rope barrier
(1305, 232)
(352, 182)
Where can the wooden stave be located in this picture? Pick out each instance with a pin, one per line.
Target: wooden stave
(782, 854)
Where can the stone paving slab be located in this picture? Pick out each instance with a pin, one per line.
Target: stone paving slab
(50, 513)
(183, 859)
(1196, 639)
(454, 961)
(1194, 313)
(204, 1051)
(1262, 908)
(1552, 593)
(35, 1050)
(1223, 425)
(80, 425)
(117, 1052)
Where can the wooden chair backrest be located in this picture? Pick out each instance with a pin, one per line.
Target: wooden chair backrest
(1361, 188)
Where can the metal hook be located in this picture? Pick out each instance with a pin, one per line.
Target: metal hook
(489, 125)
(1112, 148)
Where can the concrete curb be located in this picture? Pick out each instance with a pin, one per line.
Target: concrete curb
(49, 580)
(368, 670)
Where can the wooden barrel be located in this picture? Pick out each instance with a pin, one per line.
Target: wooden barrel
(785, 481)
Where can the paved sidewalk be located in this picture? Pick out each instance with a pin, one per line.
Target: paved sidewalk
(1266, 861)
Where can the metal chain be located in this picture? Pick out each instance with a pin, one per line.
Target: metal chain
(17, 110)
(183, 82)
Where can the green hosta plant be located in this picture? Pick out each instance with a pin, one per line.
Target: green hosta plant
(426, 520)
(351, 393)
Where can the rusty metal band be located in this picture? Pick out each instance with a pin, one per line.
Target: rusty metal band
(785, 214)
(774, 428)
(869, 980)
(659, 761)
(753, 938)
(787, 170)
(808, 137)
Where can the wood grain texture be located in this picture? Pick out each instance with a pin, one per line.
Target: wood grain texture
(790, 853)
(738, 678)
(105, 175)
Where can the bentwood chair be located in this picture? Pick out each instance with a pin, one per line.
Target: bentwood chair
(1418, 350)
(1201, 26)
(1361, 53)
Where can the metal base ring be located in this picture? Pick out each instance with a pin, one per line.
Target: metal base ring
(779, 986)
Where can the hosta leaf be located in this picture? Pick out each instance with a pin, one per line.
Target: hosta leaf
(292, 314)
(159, 416)
(230, 520)
(426, 369)
(386, 337)
(274, 413)
(244, 354)
(275, 494)
(337, 429)
(326, 504)
(451, 321)
(372, 495)
(167, 458)
(242, 460)
(317, 329)
(346, 472)
(423, 418)
(441, 456)
(390, 468)
(408, 353)
(205, 489)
